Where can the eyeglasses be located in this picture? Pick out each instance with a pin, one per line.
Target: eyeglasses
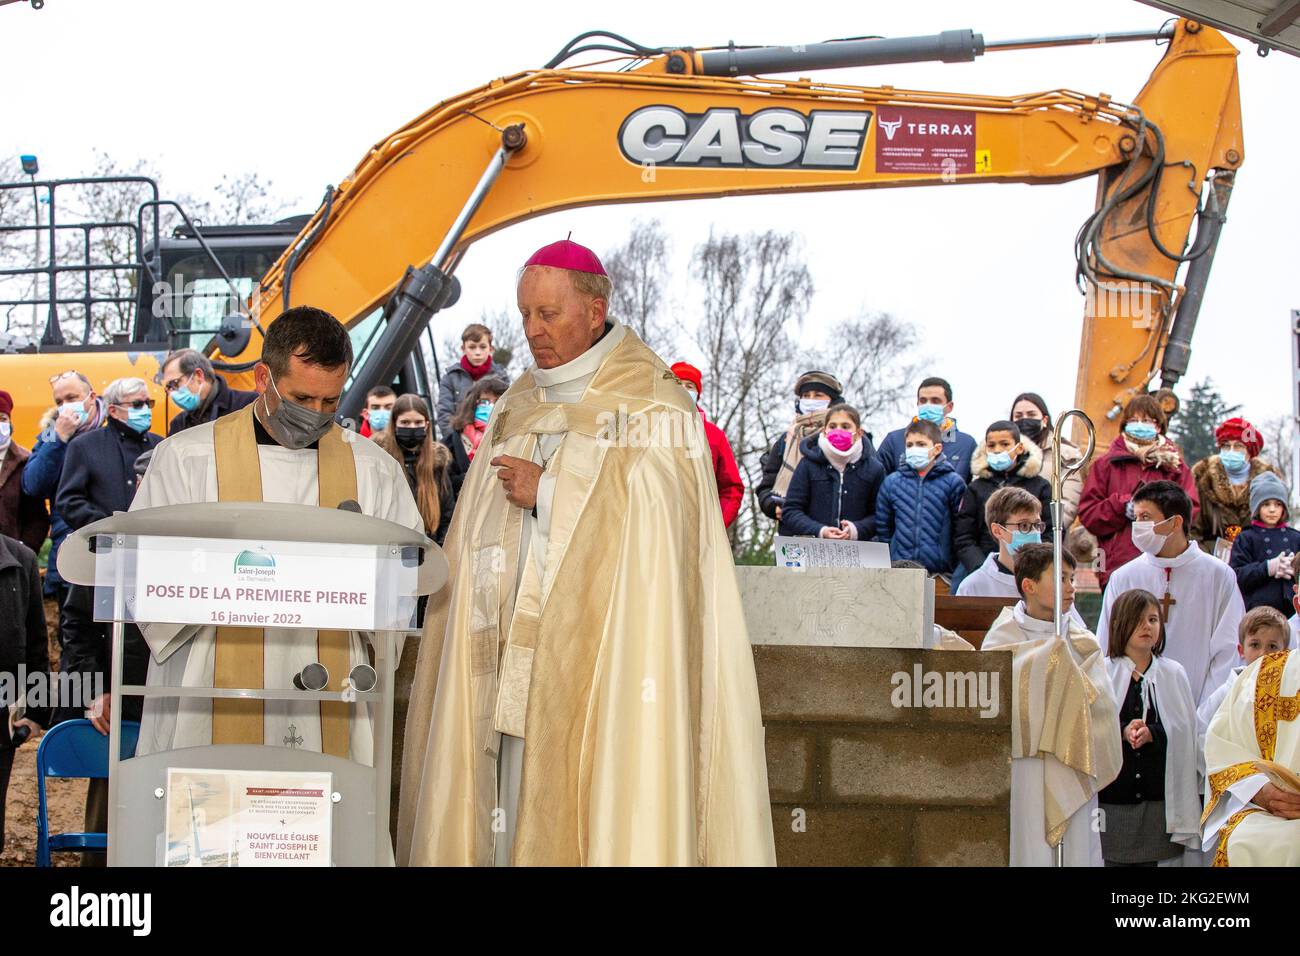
(62, 375)
(175, 383)
(1027, 527)
(138, 403)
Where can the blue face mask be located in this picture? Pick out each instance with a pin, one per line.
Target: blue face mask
(483, 412)
(917, 458)
(78, 407)
(185, 399)
(1234, 461)
(930, 413)
(1021, 538)
(1142, 431)
(379, 418)
(1000, 461)
(140, 419)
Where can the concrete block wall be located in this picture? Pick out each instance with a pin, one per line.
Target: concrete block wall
(858, 781)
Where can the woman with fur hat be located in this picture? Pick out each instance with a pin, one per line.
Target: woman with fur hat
(1223, 483)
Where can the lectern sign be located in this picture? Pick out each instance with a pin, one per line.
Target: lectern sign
(253, 583)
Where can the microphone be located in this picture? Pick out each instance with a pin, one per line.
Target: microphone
(362, 678)
(314, 676)
(350, 505)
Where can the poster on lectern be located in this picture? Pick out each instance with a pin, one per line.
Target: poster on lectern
(254, 583)
(799, 554)
(248, 818)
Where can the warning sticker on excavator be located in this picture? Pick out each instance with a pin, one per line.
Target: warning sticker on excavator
(983, 161)
(912, 140)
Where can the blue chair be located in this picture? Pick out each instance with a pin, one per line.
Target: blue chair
(73, 748)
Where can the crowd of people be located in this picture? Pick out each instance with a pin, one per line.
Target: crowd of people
(1197, 562)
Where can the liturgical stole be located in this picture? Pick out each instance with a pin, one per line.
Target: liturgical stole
(240, 650)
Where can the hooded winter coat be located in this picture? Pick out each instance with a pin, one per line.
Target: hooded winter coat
(971, 535)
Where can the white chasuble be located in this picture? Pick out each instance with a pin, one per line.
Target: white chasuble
(598, 649)
(183, 470)
(1065, 742)
(1202, 607)
(1254, 739)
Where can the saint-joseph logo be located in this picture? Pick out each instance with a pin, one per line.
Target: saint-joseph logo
(255, 563)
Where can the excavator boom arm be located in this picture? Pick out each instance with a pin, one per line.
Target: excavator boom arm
(594, 138)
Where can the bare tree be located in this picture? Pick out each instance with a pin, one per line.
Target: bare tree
(113, 291)
(876, 363)
(239, 200)
(753, 288)
(639, 272)
(18, 249)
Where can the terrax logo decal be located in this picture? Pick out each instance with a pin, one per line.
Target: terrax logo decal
(724, 137)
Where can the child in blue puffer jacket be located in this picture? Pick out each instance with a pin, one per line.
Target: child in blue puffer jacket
(919, 502)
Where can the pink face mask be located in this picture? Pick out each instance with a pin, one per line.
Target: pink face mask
(841, 439)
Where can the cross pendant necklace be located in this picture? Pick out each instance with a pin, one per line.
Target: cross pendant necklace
(1167, 601)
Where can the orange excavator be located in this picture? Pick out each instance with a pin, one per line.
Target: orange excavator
(646, 124)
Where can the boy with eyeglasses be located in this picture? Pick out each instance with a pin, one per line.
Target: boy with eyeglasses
(1014, 519)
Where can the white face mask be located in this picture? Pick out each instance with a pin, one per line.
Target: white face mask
(809, 405)
(6, 430)
(1146, 539)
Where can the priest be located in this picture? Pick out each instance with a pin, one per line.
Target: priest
(1252, 757)
(284, 448)
(585, 693)
(1198, 593)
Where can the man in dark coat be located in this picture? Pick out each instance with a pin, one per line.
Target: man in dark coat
(200, 393)
(99, 474)
(22, 516)
(79, 412)
(22, 644)
(934, 405)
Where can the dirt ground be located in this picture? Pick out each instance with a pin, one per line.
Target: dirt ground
(67, 798)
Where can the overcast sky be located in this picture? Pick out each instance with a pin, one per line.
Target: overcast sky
(297, 91)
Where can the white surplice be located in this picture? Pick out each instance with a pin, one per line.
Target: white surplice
(1171, 696)
(183, 470)
(1210, 706)
(1201, 632)
(991, 580)
(1029, 846)
(562, 384)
